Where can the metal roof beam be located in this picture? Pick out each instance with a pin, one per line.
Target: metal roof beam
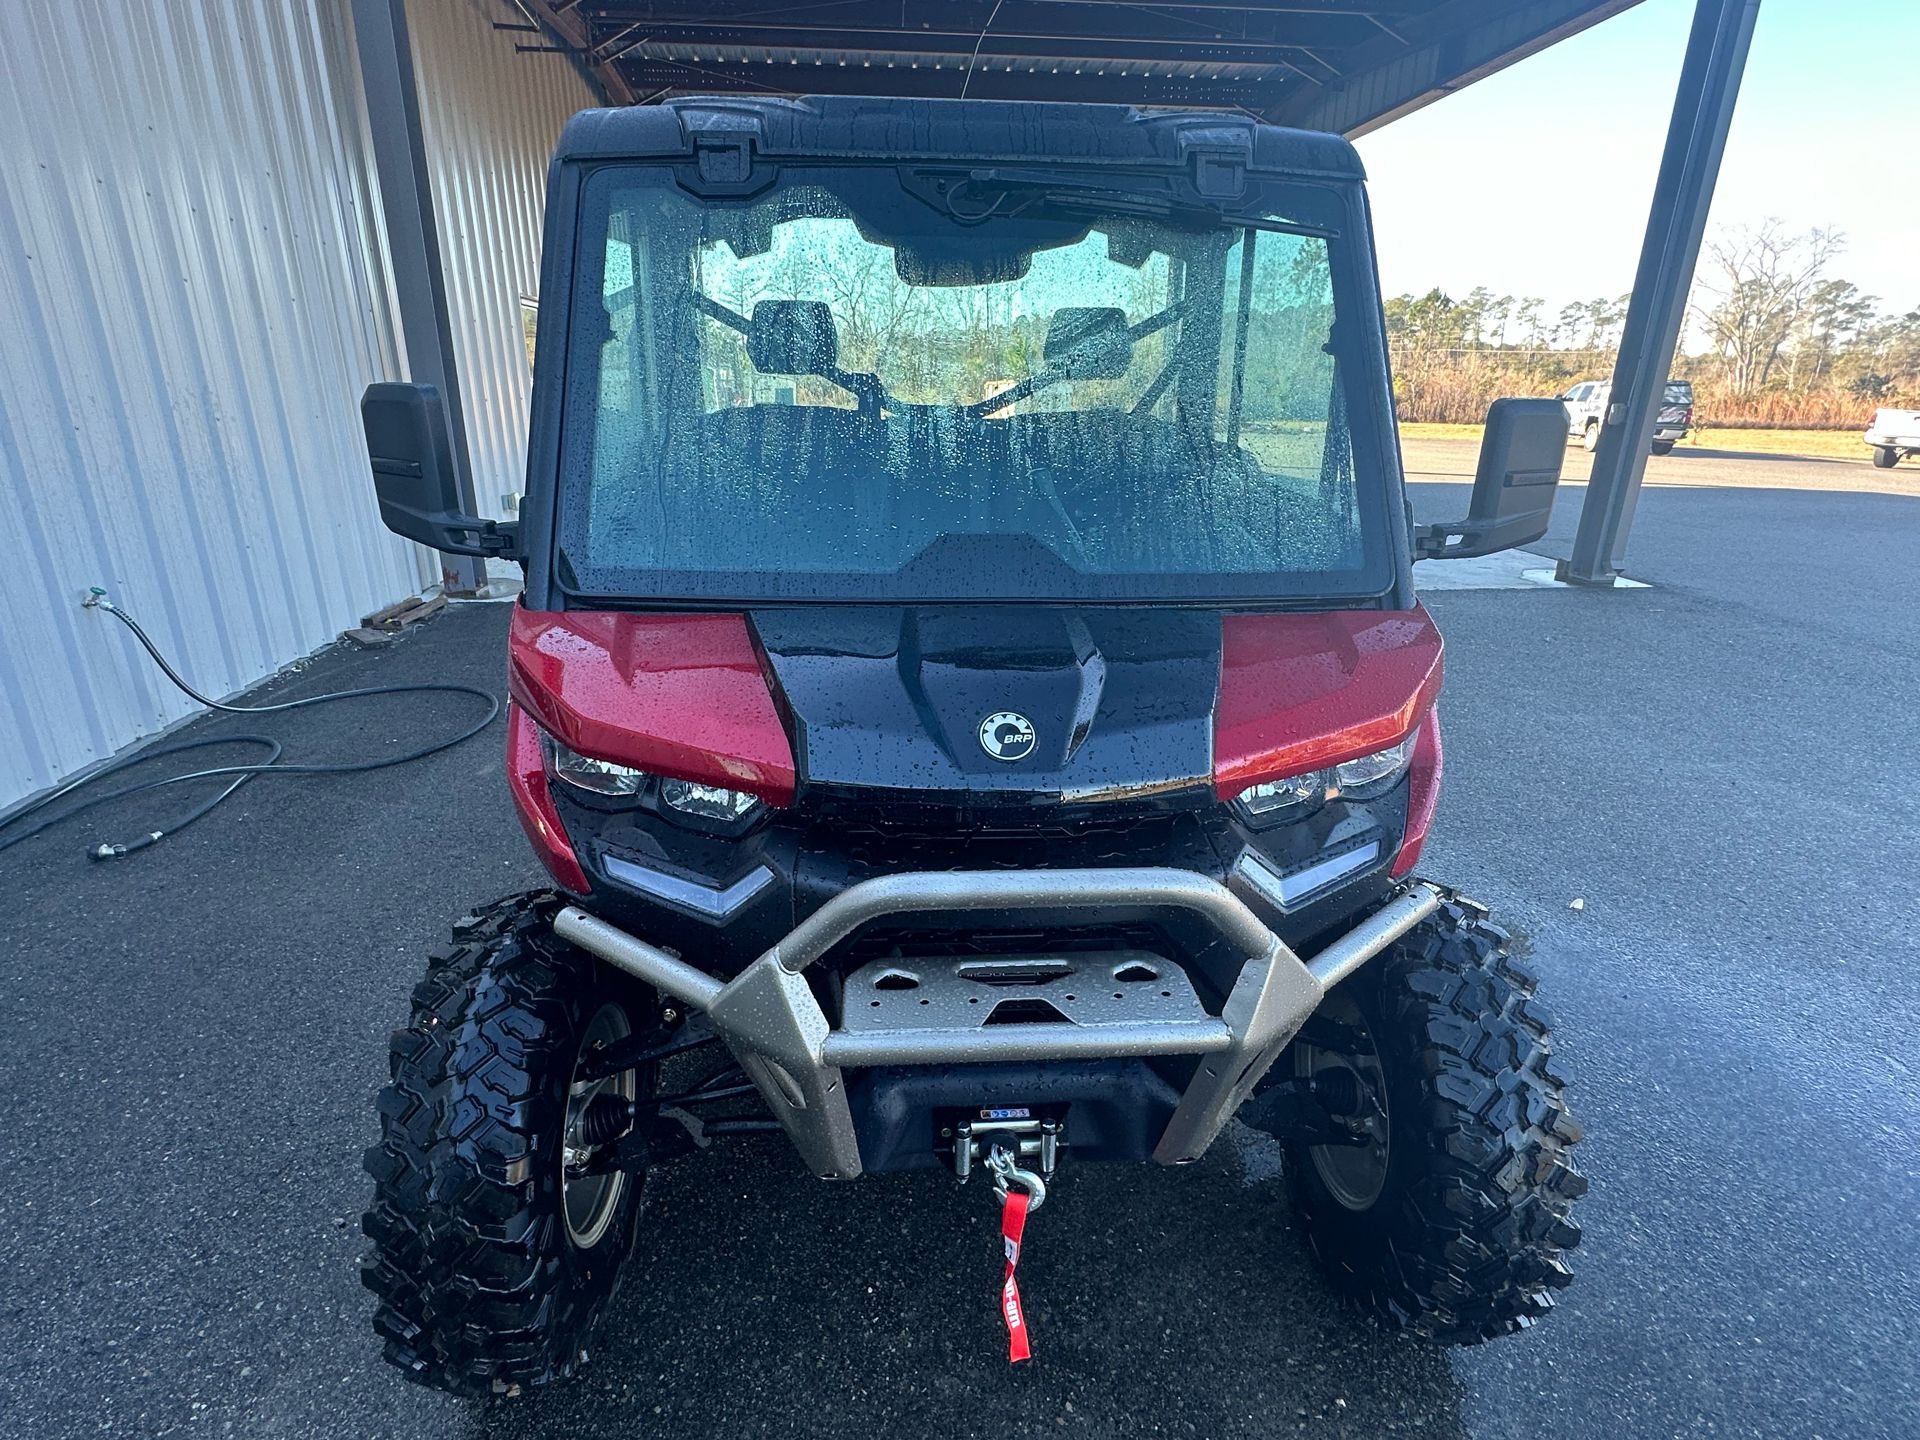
(885, 11)
(1387, 8)
(562, 19)
(881, 69)
(965, 42)
(945, 83)
(670, 51)
(1254, 29)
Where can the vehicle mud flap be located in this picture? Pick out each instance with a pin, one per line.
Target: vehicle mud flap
(776, 1030)
(1269, 1003)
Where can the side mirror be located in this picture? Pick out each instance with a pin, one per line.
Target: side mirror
(410, 447)
(1520, 459)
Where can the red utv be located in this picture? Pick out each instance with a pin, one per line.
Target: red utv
(969, 674)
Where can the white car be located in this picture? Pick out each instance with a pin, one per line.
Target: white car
(1894, 433)
(1586, 407)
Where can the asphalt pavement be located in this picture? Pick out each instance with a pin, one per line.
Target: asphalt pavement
(1719, 768)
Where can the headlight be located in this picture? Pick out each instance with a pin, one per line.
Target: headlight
(712, 804)
(709, 802)
(1296, 794)
(1371, 774)
(1300, 795)
(602, 777)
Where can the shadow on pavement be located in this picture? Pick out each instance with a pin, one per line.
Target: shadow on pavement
(1703, 452)
(761, 1301)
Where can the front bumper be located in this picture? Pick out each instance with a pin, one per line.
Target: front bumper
(771, 1019)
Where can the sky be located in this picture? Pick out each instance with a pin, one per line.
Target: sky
(1536, 180)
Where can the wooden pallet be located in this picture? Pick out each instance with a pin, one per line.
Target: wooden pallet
(402, 613)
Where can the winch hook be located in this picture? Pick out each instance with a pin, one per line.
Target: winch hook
(1008, 1172)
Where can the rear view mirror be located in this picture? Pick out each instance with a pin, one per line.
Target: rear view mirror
(414, 476)
(1513, 489)
(793, 337)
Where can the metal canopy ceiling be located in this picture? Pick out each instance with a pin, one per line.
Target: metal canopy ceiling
(1346, 65)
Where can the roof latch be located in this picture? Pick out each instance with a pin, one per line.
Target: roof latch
(724, 158)
(1217, 156)
(1219, 176)
(725, 142)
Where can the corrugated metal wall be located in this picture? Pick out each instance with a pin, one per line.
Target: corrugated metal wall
(492, 117)
(193, 294)
(192, 301)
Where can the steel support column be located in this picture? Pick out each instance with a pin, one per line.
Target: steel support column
(413, 237)
(1696, 138)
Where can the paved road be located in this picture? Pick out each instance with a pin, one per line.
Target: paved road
(1721, 767)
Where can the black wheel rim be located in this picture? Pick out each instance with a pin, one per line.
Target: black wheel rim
(590, 1197)
(1354, 1175)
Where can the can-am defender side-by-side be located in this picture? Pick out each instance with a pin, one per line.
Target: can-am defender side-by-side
(969, 669)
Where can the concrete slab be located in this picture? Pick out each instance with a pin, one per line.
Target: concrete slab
(1509, 570)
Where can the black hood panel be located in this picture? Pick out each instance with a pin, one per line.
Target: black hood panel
(893, 698)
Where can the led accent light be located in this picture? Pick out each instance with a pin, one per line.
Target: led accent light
(1288, 890)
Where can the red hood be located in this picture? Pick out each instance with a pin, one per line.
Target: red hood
(1301, 692)
(689, 695)
(680, 695)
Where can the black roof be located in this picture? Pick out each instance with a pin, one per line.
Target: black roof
(863, 127)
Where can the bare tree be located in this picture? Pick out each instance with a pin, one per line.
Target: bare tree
(1757, 284)
(871, 303)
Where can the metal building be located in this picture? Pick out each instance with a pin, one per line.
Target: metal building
(220, 219)
(197, 286)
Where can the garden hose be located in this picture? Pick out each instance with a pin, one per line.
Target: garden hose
(241, 774)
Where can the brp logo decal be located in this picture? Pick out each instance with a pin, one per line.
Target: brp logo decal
(1007, 735)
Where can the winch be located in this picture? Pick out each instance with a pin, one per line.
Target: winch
(1014, 1128)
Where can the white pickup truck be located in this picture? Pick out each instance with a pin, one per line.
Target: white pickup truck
(1894, 433)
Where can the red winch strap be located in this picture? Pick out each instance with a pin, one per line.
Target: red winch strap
(1013, 1223)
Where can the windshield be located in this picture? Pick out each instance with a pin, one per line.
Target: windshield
(870, 384)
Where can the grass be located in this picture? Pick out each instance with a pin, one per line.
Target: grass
(1827, 444)
(1817, 444)
(1433, 430)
